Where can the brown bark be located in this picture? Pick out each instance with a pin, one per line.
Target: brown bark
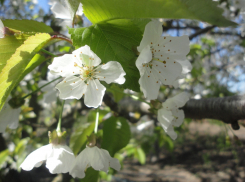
(227, 109)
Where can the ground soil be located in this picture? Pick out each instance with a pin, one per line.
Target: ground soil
(206, 155)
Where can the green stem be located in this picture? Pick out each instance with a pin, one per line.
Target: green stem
(47, 52)
(132, 96)
(58, 129)
(40, 88)
(96, 121)
(232, 131)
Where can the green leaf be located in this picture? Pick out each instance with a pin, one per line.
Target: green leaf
(204, 10)
(116, 134)
(116, 91)
(114, 40)
(3, 156)
(91, 175)
(140, 155)
(79, 137)
(28, 26)
(17, 64)
(8, 46)
(35, 61)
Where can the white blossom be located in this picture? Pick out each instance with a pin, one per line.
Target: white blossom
(62, 12)
(83, 72)
(9, 117)
(51, 93)
(59, 158)
(159, 59)
(170, 115)
(99, 159)
(1, 29)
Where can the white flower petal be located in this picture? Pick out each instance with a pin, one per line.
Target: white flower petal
(144, 57)
(167, 72)
(1, 29)
(89, 58)
(170, 131)
(153, 31)
(97, 159)
(149, 84)
(115, 164)
(9, 117)
(111, 72)
(179, 117)
(50, 96)
(81, 164)
(64, 66)
(94, 93)
(60, 160)
(5, 117)
(60, 11)
(14, 122)
(165, 117)
(186, 66)
(175, 47)
(80, 10)
(72, 88)
(35, 158)
(176, 101)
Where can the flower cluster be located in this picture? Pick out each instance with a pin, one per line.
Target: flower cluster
(161, 60)
(60, 158)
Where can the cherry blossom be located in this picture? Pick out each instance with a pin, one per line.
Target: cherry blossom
(9, 117)
(97, 158)
(59, 158)
(62, 12)
(170, 115)
(83, 73)
(159, 58)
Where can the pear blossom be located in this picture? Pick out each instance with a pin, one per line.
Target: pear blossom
(1, 29)
(83, 73)
(9, 117)
(159, 58)
(170, 115)
(59, 158)
(97, 158)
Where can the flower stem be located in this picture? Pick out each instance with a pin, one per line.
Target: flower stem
(58, 129)
(47, 52)
(40, 88)
(96, 121)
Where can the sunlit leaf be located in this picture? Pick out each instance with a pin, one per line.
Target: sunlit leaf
(17, 64)
(203, 10)
(28, 26)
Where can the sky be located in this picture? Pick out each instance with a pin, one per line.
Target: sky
(44, 5)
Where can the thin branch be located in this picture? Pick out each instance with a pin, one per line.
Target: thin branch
(202, 31)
